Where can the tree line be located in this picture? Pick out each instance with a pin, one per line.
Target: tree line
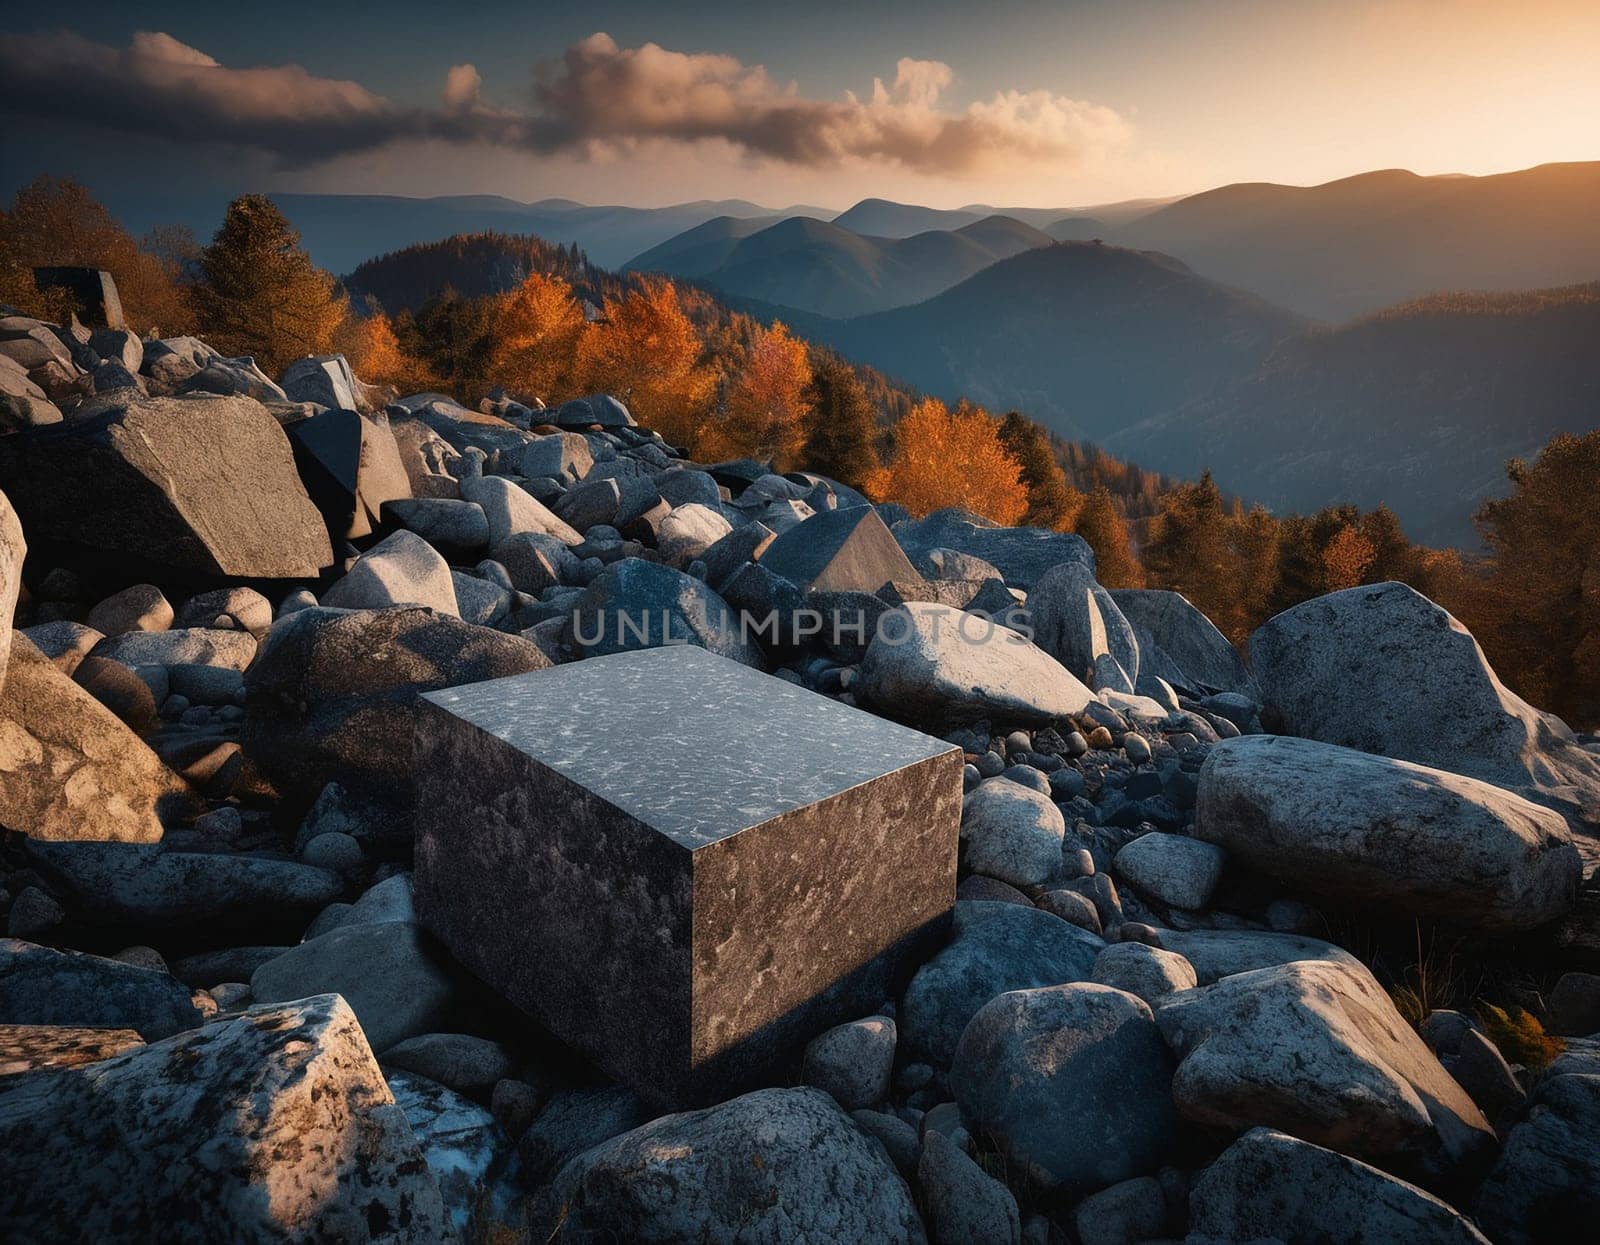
(720, 385)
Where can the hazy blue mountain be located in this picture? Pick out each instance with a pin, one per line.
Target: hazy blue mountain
(1362, 243)
(820, 267)
(883, 218)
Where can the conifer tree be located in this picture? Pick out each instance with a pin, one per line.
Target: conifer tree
(842, 437)
(1052, 502)
(1099, 523)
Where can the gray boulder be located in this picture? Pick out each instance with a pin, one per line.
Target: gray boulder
(1385, 670)
(936, 663)
(1072, 1082)
(562, 456)
(50, 729)
(510, 510)
(1368, 829)
(191, 646)
(840, 551)
(688, 531)
(576, 1120)
(1171, 868)
(203, 485)
(995, 947)
(1545, 1186)
(324, 379)
(1149, 972)
(1218, 953)
(634, 604)
(461, 1061)
(12, 551)
(1187, 648)
(43, 986)
(773, 1165)
(448, 524)
(1271, 1186)
(333, 694)
(1021, 554)
(401, 569)
(965, 1205)
(1318, 1051)
(599, 410)
(1012, 833)
(351, 466)
(852, 1062)
(272, 1125)
(390, 974)
(1076, 622)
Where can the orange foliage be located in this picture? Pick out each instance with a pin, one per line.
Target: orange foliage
(951, 458)
(766, 406)
(1346, 559)
(645, 351)
(376, 356)
(534, 330)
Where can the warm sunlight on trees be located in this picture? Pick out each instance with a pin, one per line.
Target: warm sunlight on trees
(766, 404)
(260, 294)
(375, 355)
(57, 221)
(951, 458)
(842, 438)
(1099, 523)
(1345, 559)
(646, 352)
(534, 332)
(1052, 502)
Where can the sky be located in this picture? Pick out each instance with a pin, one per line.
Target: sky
(1007, 104)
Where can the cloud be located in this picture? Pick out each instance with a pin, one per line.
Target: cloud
(598, 99)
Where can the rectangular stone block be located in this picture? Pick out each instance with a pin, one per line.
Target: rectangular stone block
(680, 865)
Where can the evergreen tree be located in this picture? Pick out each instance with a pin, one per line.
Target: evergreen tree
(260, 294)
(1189, 550)
(1052, 502)
(1100, 523)
(841, 441)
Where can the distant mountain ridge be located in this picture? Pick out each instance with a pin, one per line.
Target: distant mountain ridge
(828, 270)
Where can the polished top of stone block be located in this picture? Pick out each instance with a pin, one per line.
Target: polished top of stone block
(692, 744)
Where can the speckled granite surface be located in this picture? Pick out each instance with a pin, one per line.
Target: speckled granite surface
(692, 744)
(679, 865)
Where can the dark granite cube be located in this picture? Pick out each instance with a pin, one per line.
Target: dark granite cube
(678, 864)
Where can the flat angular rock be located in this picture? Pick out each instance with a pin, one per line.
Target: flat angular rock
(1076, 622)
(1195, 655)
(273, 1125)
(1271, 1186)
(449, 524)
(191, 646)
(1218, 953)
(1385, 670)
(938, 664)
(510, 510)
(333, 694)
(1318, 1051)
(753, 882)
(1021, 554)
(402, 569)
(561, 455)
(1372, 830)
(774, 1165)
(43, 986)
(1073, 1082)
(635, 605)
(69, 767)
(840, 551)
(687, 532)
(28, 1048)
(598, 410)
(351, 466)
(199, 485)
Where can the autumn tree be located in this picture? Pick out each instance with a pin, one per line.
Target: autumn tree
(376, 356)
(1541, 620)
(766, 404)
(1102, 525)
(1052, 502)
(951, 458)
(842, 433)
(645, 350)
(56, 221)
(534, 332)
(1345, 559)
(259, 293)
(1189, 549)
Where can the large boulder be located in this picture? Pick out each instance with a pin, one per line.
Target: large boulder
(69, 767)
(1021, 554)
(324, 379)
(1271, 1186)
(773, 1165)
(272, 1125)
(1545, 1186)
(43, 986)
(634, 604)
(1075, 620)
(1073, 1083)
(332, 694)
(1368, 829)
(12, 550)
(203, 486)
(1385, 670)
(1218, 953)
(511, 510)
(1180, 644)
(995, 947)
(401, 569)
(840, 551)
(1318, 1051)
(27, 1048)
(1012, 832)
(351, 466)
(148, 886)
(936, 663)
